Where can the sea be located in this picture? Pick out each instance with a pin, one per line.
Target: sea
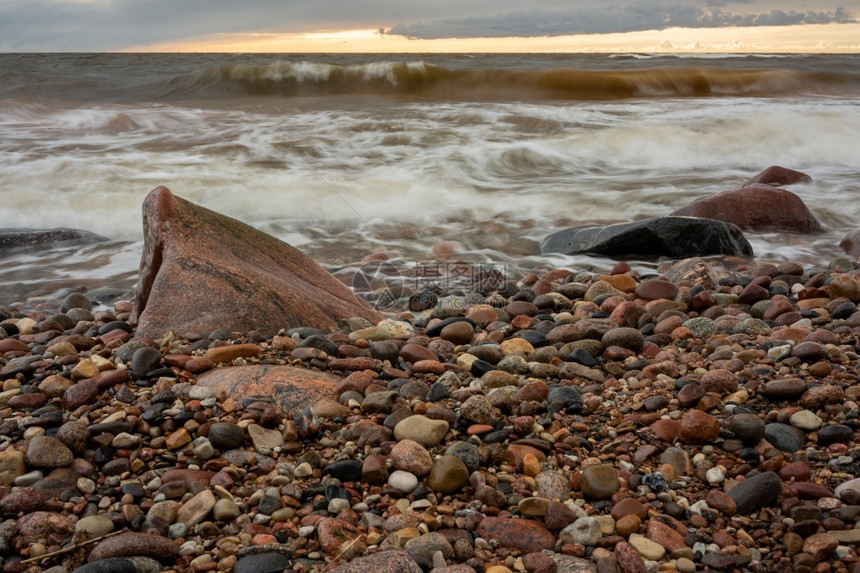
(413, 158)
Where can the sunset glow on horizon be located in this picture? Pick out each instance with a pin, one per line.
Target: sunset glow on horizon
(807, 38)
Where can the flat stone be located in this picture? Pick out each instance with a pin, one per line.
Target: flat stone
(95, 525)
(291, 387)
(196, 509)
(647, 549)
(396, 561)
(133, 544)
(784, 389)
(265, 440)
(421, 429)
(805, 420)
(522, 534)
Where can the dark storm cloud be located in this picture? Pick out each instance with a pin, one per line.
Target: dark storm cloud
(96, 25)
(602, 18)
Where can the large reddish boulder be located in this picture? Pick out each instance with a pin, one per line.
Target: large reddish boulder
(201, 271)
(756, 207)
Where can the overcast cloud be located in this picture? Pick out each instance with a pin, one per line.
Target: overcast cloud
(97, 25)
(602, 18)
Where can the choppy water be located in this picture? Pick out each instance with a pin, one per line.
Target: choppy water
(343, 156)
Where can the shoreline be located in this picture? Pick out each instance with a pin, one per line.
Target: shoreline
(579, 420)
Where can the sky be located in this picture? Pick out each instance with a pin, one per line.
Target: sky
(429, 26)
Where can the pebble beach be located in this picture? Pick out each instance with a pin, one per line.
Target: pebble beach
(698, 417)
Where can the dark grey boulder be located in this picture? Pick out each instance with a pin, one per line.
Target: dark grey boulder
(121, 565)
(675, 237)
(12, 238)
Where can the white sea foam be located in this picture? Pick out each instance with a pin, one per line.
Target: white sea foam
(339, 176)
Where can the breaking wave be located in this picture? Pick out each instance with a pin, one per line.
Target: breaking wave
(291, 79)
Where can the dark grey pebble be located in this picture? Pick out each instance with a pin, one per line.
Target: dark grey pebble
(533, 337)
(581, 356)
(835, 434)
(785, 437)
(305, 332)
(437, 393)
(757, 491)
(568, 396)
(345, 470)
(385, 350)
(263, 563)
(121, 565)
(114, 325)
(436, 329)
(748, 428)
(481, 367)
(320, 342)
(466, 452)
(226, 435)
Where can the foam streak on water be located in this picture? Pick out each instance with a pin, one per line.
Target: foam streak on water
(344, 172)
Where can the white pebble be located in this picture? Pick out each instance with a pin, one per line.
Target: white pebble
(403, 481)
(715, 476)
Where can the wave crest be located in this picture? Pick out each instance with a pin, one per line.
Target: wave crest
(293, 79)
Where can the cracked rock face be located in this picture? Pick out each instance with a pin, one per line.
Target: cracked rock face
(201, 271)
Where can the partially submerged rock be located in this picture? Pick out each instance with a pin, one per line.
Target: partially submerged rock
(13, 238)
(755, 207)
(759, 205)
(776, 176)
(675, 237)
(201, 271)
(851, 244)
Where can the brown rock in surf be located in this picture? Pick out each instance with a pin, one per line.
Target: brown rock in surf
(776, 176)
(201, 271)
(851, 244)
(756, 207)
